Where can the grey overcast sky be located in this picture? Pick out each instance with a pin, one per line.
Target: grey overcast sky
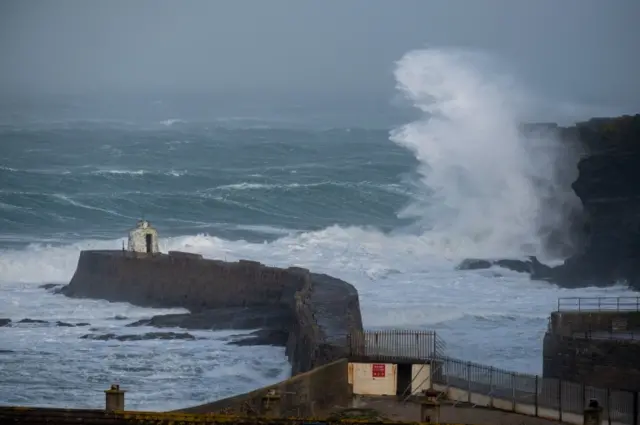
(582, 50)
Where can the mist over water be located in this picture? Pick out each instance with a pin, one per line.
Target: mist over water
(391, 212)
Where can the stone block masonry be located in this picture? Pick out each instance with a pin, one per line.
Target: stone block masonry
(599, 348)
(324, 310)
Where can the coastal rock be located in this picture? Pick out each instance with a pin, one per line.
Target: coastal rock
(474, 264)
(608, 186)
(71, 325)
(59, 323)
(4, 322)
(223, 318)
(48, 286)
(276, 338)
(34, 321)
(532, 266)
(608, 228)
(141, 337)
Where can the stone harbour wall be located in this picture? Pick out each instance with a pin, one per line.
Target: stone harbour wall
(325, 309)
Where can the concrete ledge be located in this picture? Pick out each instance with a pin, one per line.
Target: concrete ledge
(310, 394)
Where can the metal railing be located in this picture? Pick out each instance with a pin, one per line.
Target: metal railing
(519, 388)
(599, 304)
(547, 393)
(394, 344)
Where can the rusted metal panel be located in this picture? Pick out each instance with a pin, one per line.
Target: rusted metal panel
(375, 378)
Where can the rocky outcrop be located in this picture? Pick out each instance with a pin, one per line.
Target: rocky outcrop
(608, 186)
(27, 321)
(273, 324)
(259, 317)
(314, 312)
(141, 337)
(532, 266)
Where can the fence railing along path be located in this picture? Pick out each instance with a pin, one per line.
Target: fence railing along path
(568, 304)
(542, 394)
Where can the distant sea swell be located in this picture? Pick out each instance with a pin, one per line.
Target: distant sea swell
(59, 182)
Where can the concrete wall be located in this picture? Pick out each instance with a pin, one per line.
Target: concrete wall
(326, 309)
(569, 323)
(309, 394)
(582, 347)
(601, 363)
(181, 281)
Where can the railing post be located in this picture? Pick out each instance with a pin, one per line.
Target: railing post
(435, 339)
(535, 396)
(469, 382)
(560, 400)
(490, 386)
(635, 408)
(579, 304)
(609, 405)
(513, 392)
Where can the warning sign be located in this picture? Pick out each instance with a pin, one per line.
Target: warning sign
(378, 370)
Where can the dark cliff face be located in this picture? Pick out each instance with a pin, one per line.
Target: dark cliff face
(554, 151)
(603, 228)
(608, 186)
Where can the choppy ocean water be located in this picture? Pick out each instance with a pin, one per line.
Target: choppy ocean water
(391, 208)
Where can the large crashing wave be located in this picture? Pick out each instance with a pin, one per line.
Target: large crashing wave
(485, 187)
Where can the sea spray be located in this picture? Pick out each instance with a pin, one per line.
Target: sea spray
(482, 183)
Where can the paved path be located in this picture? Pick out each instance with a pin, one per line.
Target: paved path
(394, 410)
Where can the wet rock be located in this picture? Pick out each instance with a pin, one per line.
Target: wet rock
(519, 266)
(532, 266)
(27, 320)
(50, 285)
(5, 322)
(608, 188)
(474, 264)
(262, 337)
(71, 325)
(223, 318)
(140, 337)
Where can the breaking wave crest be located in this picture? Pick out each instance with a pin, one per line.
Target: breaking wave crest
(482, 182)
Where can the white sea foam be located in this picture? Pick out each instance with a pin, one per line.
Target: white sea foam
(475, 197)
(484, 185)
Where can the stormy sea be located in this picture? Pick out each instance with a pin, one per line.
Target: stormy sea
(388, 194)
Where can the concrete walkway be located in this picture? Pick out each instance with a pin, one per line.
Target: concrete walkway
(393, 410)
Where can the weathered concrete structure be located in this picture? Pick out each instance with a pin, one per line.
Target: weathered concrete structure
(596, 343)
(143, 238)
(321, 310)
